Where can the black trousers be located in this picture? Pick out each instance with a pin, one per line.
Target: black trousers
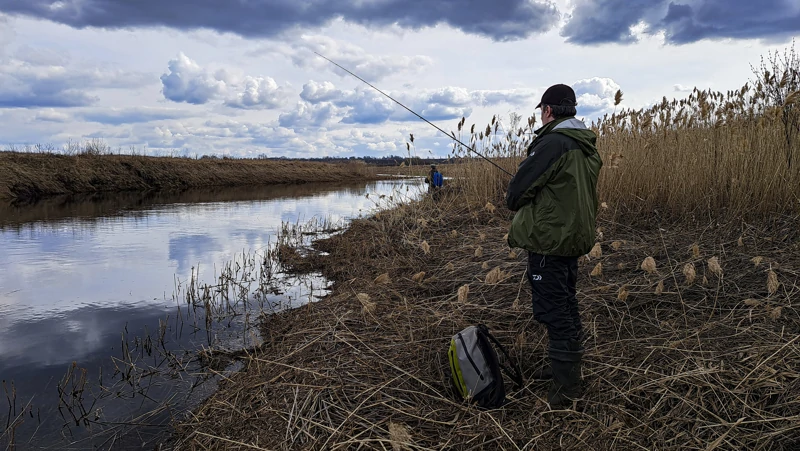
(553, 286)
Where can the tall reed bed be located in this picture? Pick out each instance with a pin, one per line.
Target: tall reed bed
(713, 154)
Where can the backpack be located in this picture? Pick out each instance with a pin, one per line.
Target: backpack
(475, 371)
(438, 180)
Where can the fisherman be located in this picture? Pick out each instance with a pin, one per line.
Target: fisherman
(434, 180)
(554, 194)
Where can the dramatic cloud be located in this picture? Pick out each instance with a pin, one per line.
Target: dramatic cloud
(499, 19)
(187, 82)
(681, 21)
(117, 116)
(354, 58)
(26, 84)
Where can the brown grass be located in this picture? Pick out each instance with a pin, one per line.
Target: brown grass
(668, 366)
(31, 175)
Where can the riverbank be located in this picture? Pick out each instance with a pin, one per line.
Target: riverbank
(27, 176)
(698, 352)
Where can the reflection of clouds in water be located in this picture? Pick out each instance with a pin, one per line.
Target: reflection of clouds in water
(74, 335)
(135, 256)
(187, 250)
(253, 239)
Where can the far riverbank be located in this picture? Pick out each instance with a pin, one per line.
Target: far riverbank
(28, 176)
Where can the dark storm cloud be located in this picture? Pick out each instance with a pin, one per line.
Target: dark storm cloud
(499, 20)
(604, 21)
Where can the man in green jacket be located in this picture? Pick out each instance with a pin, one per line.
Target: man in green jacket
(555, 196)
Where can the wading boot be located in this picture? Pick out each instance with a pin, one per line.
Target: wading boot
(546, 372)
(565, 363)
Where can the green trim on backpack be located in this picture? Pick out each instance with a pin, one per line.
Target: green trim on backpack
(455, 370)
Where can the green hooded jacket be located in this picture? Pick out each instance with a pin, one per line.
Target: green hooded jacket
(555, 191)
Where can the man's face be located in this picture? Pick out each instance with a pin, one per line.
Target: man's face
(546, 115)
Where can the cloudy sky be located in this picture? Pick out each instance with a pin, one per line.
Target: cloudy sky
(241, 78)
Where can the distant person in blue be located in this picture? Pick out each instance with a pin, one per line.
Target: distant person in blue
(435, 181)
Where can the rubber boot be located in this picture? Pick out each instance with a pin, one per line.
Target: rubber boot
(546, 372)
(565, 362)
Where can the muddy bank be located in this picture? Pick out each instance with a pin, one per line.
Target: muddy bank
(26, 176)
(674, 360)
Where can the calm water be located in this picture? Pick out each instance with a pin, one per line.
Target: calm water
(81, 278)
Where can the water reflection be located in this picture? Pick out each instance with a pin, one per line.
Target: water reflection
(77, 271)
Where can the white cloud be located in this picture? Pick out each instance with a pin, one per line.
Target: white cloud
(188, 82)
(31, 84)
(383, 146)
(314, 92)
(597, 86)
(595, 96)
(259, 93)
(51, 115)
(117, 116)
(307, 114)
(363, 105)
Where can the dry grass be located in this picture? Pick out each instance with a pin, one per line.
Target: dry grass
(668, 366)
(30, 175)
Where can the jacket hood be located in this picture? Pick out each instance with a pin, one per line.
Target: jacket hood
(577, 130)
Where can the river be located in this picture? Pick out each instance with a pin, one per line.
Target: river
(99, 280)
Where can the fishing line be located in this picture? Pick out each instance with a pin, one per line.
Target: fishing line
(415, 114)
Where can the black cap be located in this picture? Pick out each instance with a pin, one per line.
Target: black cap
(558, 95)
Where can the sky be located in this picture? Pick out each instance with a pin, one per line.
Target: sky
(240, 78)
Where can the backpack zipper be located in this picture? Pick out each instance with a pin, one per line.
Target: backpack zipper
(480, 375)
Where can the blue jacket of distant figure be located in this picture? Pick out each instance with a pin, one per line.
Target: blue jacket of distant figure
(438, 180)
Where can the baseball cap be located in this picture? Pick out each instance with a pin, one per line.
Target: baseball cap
(558, 95)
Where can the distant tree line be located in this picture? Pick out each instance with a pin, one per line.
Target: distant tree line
(391, 160)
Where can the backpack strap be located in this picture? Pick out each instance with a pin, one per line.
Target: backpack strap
(513, 371)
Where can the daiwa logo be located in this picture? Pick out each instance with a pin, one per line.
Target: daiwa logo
(536, 277)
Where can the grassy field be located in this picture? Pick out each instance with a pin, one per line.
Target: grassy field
(25, 176)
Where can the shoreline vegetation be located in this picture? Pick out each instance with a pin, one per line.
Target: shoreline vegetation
(698, 349)
(689, 301)
(26, 176)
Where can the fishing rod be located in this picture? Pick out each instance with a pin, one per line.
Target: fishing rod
(415, 114)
